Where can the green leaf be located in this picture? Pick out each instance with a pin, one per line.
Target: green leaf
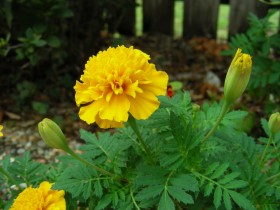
(40, 107)
(180, 195)
(217, 196)
(220, 171)
(104, 202)
(149, 192)
(208, 189)
(77, 180)
(211, 168)
(166, 202)
(236, 184)
(241, 201)
(53, 41)
(185, 181)
(228, 178)
(227, 200)
(98, 191)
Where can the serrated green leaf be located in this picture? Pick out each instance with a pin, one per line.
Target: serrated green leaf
(217, 196)
(228, 178)
(211, 168)
(76, 180)
(180, 195)
(98, 191)
(166, 202)
(115, 198)
(149, 192)
(236, 184)
(185, 181)
(208, 189)
(227, 200)
(241, 201)
(220, 171)
(104, 202)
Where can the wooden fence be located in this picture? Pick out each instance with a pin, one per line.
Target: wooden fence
(200, 17)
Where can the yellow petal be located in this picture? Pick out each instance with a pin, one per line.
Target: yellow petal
(159, 83)
(116, 109)
(108, 123)
(86, 93)
(88, 113)
(143, 105)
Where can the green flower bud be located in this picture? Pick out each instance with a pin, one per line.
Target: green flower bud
(238, 76)
(274, 123)
(52, 134)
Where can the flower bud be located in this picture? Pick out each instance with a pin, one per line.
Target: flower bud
(1, 127)
(52, 134)
(238, 76)
(274, 123)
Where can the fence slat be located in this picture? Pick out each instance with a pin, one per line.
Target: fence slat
(158, 16)
(200, 18)
(239, 11)
(128, 20)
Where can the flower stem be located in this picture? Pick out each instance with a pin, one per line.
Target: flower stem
(134, 127)
(266, 147)
(74, 155)
(8, 176)
(224, 110)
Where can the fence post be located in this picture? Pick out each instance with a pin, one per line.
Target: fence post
(239, 11)
(200, 18)
(158, 16)
(127, 24)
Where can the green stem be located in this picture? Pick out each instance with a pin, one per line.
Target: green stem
(224, 110)
(74, 155)
(134, 127)
(273, 177)
(133, 200)
(266, 147)
(8, 176)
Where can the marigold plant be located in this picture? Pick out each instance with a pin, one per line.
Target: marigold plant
(116, 82)
(42, 198)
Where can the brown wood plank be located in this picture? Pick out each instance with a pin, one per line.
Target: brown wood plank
(200, 18)
(128, 20)
(158, 16)
(239, 10)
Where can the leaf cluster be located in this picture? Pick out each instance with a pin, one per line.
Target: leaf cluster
(181, 171)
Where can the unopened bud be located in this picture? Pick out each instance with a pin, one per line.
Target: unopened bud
(52, 134)
(238, 76)
(274, 123)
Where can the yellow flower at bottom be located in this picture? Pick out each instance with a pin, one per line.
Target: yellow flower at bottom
(1, 127)
(42, 198)
(116, 82)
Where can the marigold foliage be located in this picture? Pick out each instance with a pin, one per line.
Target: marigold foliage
(116, 82)
(42, 198)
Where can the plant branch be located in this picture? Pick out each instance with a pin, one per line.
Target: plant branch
(224, 110)
(74, 155)
(266, 147)
(134, 127)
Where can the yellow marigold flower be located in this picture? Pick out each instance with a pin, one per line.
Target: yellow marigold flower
(42, 198)
(1, 127)
(116, 82)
